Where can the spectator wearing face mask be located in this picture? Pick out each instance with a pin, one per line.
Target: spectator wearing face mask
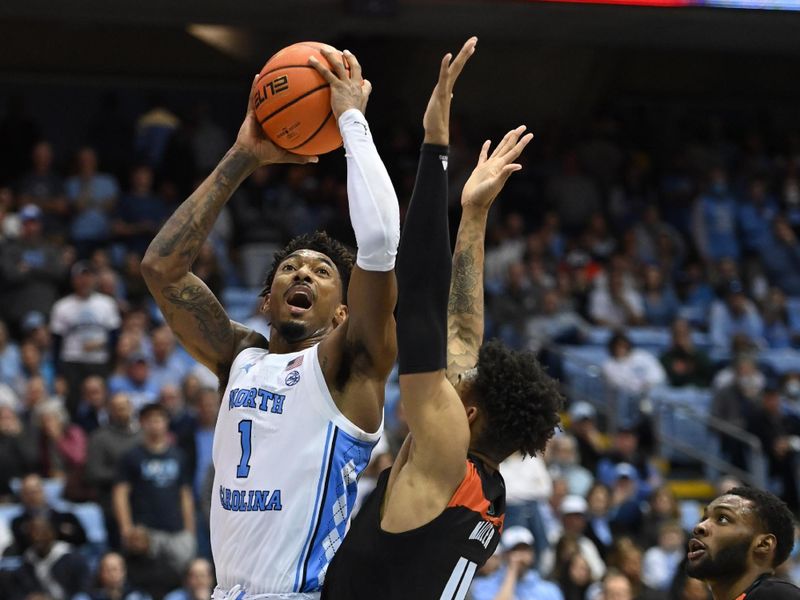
(714, 219)
(735, 403)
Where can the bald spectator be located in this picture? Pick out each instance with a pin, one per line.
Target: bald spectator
(107, 446)
(197, 584)
(92, 406)
(49, 566)
(168, 366)
(66, 525)
(111, 582)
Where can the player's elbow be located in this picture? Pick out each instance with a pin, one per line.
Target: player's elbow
(157, 269)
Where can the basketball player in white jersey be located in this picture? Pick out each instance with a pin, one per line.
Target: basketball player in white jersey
(301, 413)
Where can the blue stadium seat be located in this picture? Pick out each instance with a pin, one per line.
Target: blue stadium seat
(240, 302)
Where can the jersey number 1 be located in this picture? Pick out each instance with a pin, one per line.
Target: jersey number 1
(245, 430)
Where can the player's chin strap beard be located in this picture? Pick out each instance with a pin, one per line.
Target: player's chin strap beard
(294, 331)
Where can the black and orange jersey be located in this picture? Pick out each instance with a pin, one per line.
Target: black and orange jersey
(436, 561)
(767, 587)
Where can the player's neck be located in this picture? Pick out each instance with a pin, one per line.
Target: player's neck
(732, 588)
(487, 460)
(280, 345)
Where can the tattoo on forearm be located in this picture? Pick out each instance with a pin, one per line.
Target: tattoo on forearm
(211, 319)
(186, 231)
(462, 293)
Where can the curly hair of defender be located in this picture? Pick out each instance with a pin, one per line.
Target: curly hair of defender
(321, 242)
(773, 516)
(521, 402)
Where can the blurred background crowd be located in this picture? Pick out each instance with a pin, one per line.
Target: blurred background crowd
(648, 254)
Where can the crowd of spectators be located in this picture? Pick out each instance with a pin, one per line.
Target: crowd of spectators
(100, 405)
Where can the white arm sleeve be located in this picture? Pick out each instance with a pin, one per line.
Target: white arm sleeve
(374, 212)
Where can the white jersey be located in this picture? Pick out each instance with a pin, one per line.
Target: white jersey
(286, 463)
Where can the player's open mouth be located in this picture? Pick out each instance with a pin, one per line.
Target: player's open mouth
(299, 299)
(696, 549)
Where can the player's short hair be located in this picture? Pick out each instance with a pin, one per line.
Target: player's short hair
(521, 402)
(773, 516)
(321, 242)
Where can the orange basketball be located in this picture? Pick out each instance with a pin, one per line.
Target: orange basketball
(293, 101)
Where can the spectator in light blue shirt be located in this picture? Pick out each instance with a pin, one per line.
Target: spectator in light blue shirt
(517, 579)
(91, 197)
(735, 315)
(755, 215)
(714, 220)
(169, 367)
(781, 258)
(136, 382)
(10, 362)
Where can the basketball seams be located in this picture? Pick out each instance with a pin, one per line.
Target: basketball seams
(285, 106)
(314, 134)
(281, 124)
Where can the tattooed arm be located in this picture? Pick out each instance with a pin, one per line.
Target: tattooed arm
(191, 310)
(465, 308)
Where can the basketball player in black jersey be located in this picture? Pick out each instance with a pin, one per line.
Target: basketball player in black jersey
(744, 535)
(436, 515)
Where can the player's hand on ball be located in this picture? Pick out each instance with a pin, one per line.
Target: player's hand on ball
(348, 89)
(437, 115)
(492, 172)
(251, 139)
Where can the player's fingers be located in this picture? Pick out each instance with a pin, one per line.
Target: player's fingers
(326, 73)
(510, 140)
(467, 50)
(516, 150)
(337, 66)
(500, 149)
(253, 92)
(444, 67)
(367, 85)
(484, 155)
(299, 159)
(355, 66)
(509, 169)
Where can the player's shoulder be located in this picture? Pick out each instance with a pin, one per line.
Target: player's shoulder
(775, 589)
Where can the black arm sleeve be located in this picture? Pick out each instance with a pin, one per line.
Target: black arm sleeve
(423, 269)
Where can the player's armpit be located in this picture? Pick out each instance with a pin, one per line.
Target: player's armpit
(369, 332)
(439, 426)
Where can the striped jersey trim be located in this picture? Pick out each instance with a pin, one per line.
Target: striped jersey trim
(299, 578)
(460, 580)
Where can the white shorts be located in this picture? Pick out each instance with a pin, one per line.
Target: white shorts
(236, 593)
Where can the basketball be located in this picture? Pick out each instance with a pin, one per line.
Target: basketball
(293, 101)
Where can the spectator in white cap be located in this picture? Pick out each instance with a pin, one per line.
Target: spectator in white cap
(574, 522)
(516, 579)
(583, 425)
